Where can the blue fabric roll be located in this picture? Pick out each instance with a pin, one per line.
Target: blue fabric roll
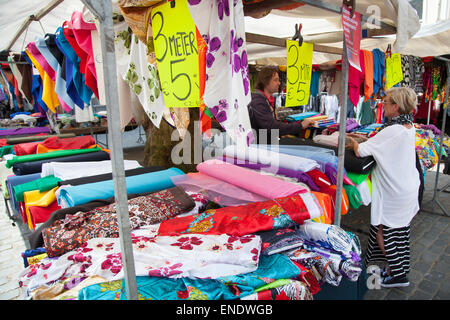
(13, 181)
(301, 116)
(148, 182)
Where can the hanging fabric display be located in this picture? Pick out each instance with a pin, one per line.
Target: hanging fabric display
(227, 88)
(142, 77)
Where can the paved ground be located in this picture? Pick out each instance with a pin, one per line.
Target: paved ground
(430, 250)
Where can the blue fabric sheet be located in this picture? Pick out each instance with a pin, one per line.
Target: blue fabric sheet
(13, 181)
(148, 182)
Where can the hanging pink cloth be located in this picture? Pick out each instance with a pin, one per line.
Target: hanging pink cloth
(34, 51)
(355, 79)
(41, 60)
(82, 32)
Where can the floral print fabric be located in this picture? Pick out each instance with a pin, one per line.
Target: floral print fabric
(227, 88)
(190, 256)
(142, 78)
(270, 269)
(71, 232)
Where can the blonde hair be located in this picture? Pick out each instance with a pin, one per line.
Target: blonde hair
(404, 97)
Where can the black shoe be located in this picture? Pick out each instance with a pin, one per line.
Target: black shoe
(391, 282)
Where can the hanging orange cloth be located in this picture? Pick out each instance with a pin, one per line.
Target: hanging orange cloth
(205, 120)
(368, 74)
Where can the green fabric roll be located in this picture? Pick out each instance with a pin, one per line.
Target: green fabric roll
(48, 155)
(6, 150)
(354, 198)
(43, 184)
(357, 178)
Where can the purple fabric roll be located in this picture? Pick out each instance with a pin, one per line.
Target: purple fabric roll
(298, 175)
(23, 131)
(351, 124)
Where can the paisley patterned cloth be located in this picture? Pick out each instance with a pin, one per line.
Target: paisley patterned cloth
(191, 256)
(72, 231)
(240, 220)
(284, 289)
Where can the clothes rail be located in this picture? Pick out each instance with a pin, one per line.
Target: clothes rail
(436, 191)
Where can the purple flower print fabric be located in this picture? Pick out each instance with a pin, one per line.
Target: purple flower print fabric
(227, 88)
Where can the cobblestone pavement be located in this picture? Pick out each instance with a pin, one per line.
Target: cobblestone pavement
(430, 250)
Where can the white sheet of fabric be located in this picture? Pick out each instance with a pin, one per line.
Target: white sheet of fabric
(191, 255)
(364, 192)
(227, 88)
(332, 107)
(329, 140)
(143, 80)
(275, 159)
(84, 115)
(74, 170)
(395, 179)
(408, 23)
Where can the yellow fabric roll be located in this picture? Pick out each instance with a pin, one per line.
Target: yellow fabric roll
(38, 199)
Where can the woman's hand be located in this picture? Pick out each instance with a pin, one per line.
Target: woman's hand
(358, 137)
(307, 123)
(352, 144)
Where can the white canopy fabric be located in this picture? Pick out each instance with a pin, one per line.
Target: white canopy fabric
(428, 40)
(319, 26)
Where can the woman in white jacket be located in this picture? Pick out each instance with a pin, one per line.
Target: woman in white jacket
(395, 186)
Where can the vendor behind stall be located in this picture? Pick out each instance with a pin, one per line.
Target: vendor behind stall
(262, 111)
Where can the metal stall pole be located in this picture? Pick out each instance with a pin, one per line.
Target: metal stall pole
(341, 140)
(444, 118)
(103, 11)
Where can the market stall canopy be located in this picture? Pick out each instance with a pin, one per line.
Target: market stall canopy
(277, 19)
(400, 27)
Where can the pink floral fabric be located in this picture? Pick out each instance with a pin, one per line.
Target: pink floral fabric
(191, 256)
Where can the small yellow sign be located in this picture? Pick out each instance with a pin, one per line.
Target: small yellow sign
(299, 68)
(175, 40)
(394, 73)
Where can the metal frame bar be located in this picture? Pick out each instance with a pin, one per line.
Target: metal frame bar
(34, 17)
(341, 139)
(103, 11)
(330, 7)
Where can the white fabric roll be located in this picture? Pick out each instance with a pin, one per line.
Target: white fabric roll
(74, 170)
(272, 158)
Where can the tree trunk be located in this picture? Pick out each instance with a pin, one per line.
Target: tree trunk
(158, 147)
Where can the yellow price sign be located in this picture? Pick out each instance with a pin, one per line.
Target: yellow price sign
(394, 73)
(298, 73)
(175, 41)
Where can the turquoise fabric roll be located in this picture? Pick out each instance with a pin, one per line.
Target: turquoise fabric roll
(148, 182)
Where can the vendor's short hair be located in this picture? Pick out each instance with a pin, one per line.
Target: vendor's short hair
(404, 97)
(264, 76)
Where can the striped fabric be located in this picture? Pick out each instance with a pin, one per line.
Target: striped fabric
(396, 245)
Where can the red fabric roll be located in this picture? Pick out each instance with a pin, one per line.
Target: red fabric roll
(42, 214)
(241, 220)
